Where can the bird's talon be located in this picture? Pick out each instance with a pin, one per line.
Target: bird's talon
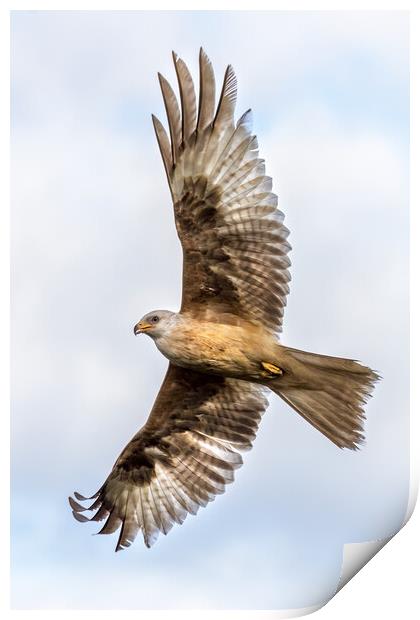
(271, 370)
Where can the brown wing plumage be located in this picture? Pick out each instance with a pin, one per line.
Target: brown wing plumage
(232, 234)
(181, 459)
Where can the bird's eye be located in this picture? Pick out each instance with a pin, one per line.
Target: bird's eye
(155, 319)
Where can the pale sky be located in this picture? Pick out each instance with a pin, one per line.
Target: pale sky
(94, 247)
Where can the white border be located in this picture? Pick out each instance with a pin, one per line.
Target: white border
(4, 306)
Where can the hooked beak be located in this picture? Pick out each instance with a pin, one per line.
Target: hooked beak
(141, 327)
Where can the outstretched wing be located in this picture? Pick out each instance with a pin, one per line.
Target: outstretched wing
(181, 459)
(232, 234)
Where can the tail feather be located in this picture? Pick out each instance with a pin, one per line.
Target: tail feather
(328, 392)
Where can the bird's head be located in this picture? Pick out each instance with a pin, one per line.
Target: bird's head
(155, 323)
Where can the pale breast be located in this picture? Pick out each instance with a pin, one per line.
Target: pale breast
(211, 347)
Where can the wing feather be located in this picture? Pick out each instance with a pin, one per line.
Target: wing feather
(188, 101)
(112, 523)
(173, 115)
(170, 503)
(164, 145)
(223, 121)
(207, 93)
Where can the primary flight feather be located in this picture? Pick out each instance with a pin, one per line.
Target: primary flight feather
(222, 346)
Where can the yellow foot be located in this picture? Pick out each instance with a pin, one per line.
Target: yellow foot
(271, 369)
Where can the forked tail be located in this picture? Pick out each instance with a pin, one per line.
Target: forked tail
(329, 392)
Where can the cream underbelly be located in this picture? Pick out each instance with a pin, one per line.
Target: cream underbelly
(216, 349)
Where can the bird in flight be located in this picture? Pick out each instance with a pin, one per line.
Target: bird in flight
(223, 347)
